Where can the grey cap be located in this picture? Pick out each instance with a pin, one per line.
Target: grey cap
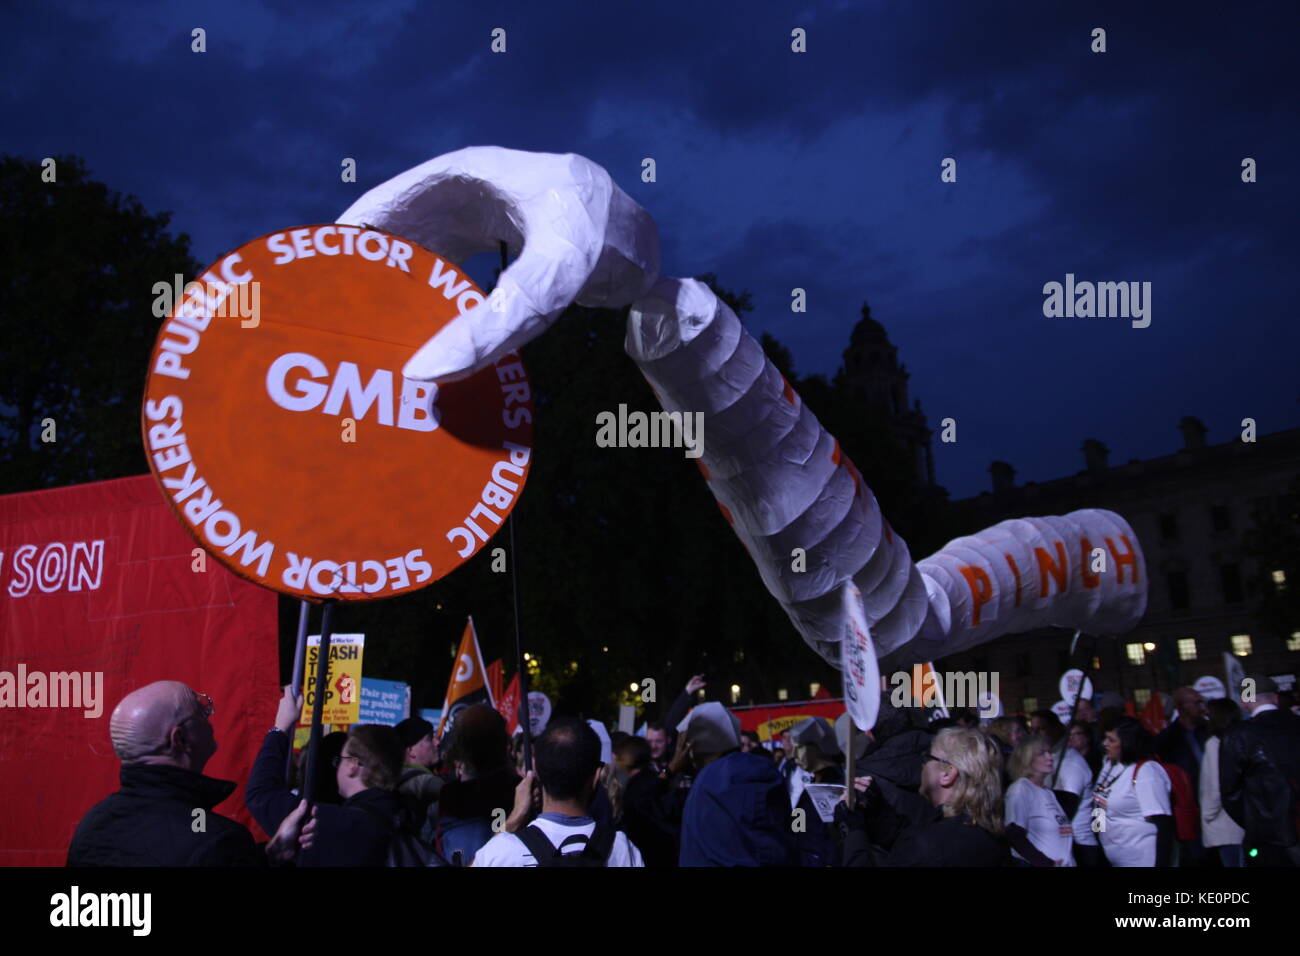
(711, 729)
(1263, 684)
(816, 731)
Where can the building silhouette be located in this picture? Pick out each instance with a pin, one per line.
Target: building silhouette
(1191, 510)
(874, 378)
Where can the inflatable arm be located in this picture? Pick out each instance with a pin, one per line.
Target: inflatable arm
(779, 477)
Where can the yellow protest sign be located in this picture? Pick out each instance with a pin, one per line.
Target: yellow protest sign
(343, 677)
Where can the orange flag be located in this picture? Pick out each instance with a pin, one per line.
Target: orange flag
(468, 685)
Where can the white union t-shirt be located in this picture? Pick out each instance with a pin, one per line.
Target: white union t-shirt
(1128, 839)
(506, 849)
(1039, 813)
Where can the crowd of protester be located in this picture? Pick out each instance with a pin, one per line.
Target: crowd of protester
(1219, 786)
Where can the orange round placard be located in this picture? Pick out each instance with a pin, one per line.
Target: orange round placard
(281, 431)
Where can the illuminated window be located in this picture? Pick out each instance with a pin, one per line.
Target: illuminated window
(782, 694)
(1096, 663)
(1142, 697)
(1293, 642)
(1136, 655)
(1279, 580)
(735, 693)
(813, 688)
(1029, 704)
(1187, 648)
(1240, 644)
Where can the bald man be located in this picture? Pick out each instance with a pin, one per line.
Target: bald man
(163, 814)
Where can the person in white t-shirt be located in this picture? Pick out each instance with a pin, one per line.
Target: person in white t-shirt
(1079, 742)
(1137, 826)
(568, 763)
(1037, 828)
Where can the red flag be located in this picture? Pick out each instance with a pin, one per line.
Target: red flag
(494, 678)
(1153, 714)
(468, 684)
(508, 705)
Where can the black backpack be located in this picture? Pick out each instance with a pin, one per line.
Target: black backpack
(595, 853)
(407, 847)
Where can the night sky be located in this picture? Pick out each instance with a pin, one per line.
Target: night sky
(778, 170)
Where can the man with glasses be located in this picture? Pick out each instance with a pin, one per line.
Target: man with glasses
(360, 830)
(163, 814)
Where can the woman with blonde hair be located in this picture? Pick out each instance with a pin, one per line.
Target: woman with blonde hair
(961, 777)
(1038, 830)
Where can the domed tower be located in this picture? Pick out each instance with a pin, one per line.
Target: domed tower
(874, 377)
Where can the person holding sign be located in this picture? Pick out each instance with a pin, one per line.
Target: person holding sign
(1038, 830)
(816, 751)
(360, 830)
(962, 776)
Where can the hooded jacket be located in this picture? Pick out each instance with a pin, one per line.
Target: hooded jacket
(737, 813)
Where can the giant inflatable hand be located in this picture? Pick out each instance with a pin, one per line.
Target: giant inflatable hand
(780, 478)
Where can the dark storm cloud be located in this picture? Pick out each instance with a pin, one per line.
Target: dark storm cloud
(779, 170)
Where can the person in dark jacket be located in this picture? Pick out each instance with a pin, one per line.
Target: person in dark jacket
(895, 753)
(1259, 776)
(646, 817)
(1182, 743)
(357, 832)
(419, 786)
(485, 782)
(963, 778)
(162, 735)
(737, 813)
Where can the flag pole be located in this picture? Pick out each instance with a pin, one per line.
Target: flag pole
(322, 688)
(524, 723)
(299, 655)
(851, 792)
(1074, 708)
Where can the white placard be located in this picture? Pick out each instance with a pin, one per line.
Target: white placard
(824, 797)
(539, 712)
(1069, 685)
(858, 664)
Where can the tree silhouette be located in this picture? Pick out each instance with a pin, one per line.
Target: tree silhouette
(77, 267)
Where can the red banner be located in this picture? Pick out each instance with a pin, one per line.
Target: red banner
(772, 720)
(495, 678)
(101, 593)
